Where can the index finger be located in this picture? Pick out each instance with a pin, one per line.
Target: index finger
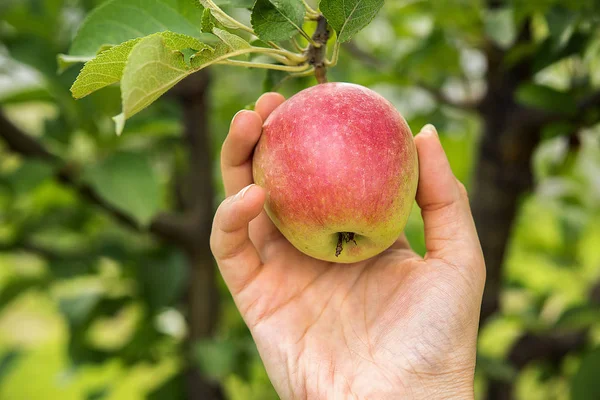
(245, 130)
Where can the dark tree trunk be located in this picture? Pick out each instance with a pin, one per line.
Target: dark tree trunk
(197, 196)
(503, 170)
(503, 174)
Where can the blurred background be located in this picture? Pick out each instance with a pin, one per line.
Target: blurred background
(95, 305)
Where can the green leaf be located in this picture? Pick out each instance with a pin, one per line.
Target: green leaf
(126, 180)
(277, 19)
(104, 70)
(118, 21)
(230, 42)
(98, 394)
(274, 79)
(78, 308)
(561, 24)
(178, 41)
(585, 384)
(107, 67)
(579, 317)
(500, 26)
(190, 9)
(216, 359)
(16, 287)
(69, 268)
(422, 63)
(30, 175)
(547, 52)
(350, 16)
(235, 3)
(497, 369)
(25, 95)
(162, 280)
(153, 68)
(8, 361)
(172, 389)
(546, 98)
(558, 128)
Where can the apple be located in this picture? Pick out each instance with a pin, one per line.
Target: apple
(339, 166)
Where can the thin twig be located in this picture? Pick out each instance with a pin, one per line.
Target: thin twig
(372, 61)
(250, 64)
(317, 54)
(334, 56)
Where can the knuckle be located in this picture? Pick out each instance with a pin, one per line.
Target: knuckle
(215, 236)
(461, 187)
(215, 240)
(462, 190)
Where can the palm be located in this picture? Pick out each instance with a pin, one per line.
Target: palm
(365, 329)
(340, 315)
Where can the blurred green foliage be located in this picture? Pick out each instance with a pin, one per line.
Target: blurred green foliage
(90, 309)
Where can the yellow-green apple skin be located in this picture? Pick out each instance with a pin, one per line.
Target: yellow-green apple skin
(337, 158)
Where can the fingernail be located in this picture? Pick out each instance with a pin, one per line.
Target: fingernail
(429, 129)
(242, 193)
(235, 116)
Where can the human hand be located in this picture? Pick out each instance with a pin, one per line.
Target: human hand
(393, 326)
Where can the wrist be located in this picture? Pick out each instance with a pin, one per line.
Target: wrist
(457, 385)
(441, 386)
(442, 379)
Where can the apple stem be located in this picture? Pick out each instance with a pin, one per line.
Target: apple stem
(340, 245)
(344, 237)
(317, 52)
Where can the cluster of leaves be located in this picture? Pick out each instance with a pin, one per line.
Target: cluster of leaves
(148, 46)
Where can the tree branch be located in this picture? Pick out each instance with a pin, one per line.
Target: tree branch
(167, 227)
(588, 102)
(19, 142)
(317, 54)
(580, 118)
(371, 61)
(202, 295)
(28, 247)
(442, 98)
(552, 347)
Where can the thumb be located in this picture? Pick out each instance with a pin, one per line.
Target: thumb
(235, 253)
(450, 233)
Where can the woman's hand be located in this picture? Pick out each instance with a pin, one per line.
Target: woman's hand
(394, 326)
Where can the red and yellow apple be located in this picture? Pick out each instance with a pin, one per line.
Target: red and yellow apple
(339, 166)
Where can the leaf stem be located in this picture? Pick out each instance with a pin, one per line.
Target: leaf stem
(312, 14)
(308, 72)
(294, 58)
(293, 75)
(335, 55)
(281, 59)
(297, 45)
(310, 40)
(216, 9)
(288, 68)
(317, 54)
